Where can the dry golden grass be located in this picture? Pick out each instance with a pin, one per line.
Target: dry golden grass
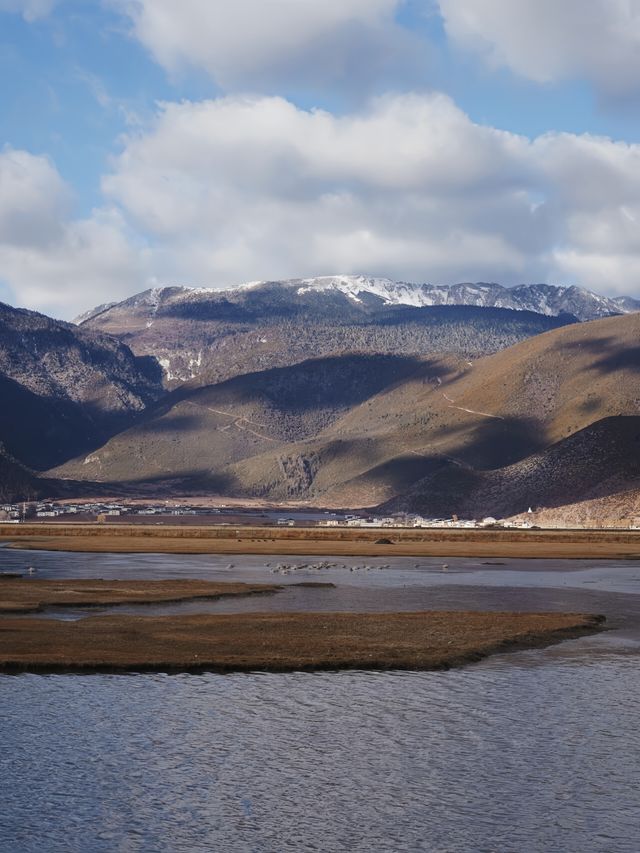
(166, 539)
(276, 642)
(30, 596)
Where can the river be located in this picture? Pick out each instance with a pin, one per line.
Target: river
(524, 752)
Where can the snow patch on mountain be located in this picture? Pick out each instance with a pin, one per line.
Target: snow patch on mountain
(547, 299)
(92, 312)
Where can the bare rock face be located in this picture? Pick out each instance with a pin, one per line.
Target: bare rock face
(65, 389)
(298, 472)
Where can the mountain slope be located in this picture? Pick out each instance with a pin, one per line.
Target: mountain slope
(65, 389)
(16, 482)
(206, 336)
(196, 432)
(505, 407)
(437, 435)
(595, 463)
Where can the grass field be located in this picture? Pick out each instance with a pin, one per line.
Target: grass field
(121, 538)
(275, 642)
(31, 596)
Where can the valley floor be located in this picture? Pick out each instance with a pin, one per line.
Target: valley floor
(384, 542)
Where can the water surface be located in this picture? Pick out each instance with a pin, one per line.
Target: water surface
(518, 755)
(530, 752)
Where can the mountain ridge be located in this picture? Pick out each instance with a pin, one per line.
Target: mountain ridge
(546, 299)
(65, 387)
(475, 433)
(207, 336)
(319, 391)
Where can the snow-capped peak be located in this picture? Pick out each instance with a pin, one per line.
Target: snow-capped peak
(547, 299)
(353, 286)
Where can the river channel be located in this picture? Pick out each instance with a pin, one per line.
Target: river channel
(525, 752)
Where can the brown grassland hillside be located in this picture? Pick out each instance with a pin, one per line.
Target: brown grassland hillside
(550, 421)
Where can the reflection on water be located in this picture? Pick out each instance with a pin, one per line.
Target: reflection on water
(534, 751)
(500, 757)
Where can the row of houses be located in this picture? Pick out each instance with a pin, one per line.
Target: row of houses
(104, 511)
(410, 520)
(108, 510)
(53, 510)
(10, 512)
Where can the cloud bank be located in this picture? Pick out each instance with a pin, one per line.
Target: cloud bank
(255, 186)
(407, 186)
(51, 261)
(295, 44)
(237, 188)
(356, 42)
(548, 41)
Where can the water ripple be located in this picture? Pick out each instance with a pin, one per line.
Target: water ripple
(492, 758)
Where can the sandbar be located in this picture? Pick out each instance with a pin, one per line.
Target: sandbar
(276, 642)
(27, 595)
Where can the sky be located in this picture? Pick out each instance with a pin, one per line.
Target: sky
(208, 143)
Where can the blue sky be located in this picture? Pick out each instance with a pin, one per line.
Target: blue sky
(145, 142)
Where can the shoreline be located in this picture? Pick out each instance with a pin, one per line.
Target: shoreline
(313, 541)
(27, 595)
(278, 642)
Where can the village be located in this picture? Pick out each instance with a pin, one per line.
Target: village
(405, 520)
(169, 512)
(92, 511)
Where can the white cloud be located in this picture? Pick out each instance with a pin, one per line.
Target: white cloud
(33, 199)
(255, 187)
(551, 40)
(241, 188)
(48, 260)
(593, 191)
(251, 45)
(30, 10)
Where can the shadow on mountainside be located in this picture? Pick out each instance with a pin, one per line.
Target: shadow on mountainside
(175, 422)
(44, 432)
(598, 461)
(487, 443)
(466, 314)
(607, 354)
(335, 382)
(625, 359)
(194, 482)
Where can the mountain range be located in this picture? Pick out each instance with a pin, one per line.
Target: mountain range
(341, 391)
(372, 293)
(207, 336)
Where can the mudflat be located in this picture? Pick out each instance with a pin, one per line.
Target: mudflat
(22, 595)
(357, 542)
(276, 642)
